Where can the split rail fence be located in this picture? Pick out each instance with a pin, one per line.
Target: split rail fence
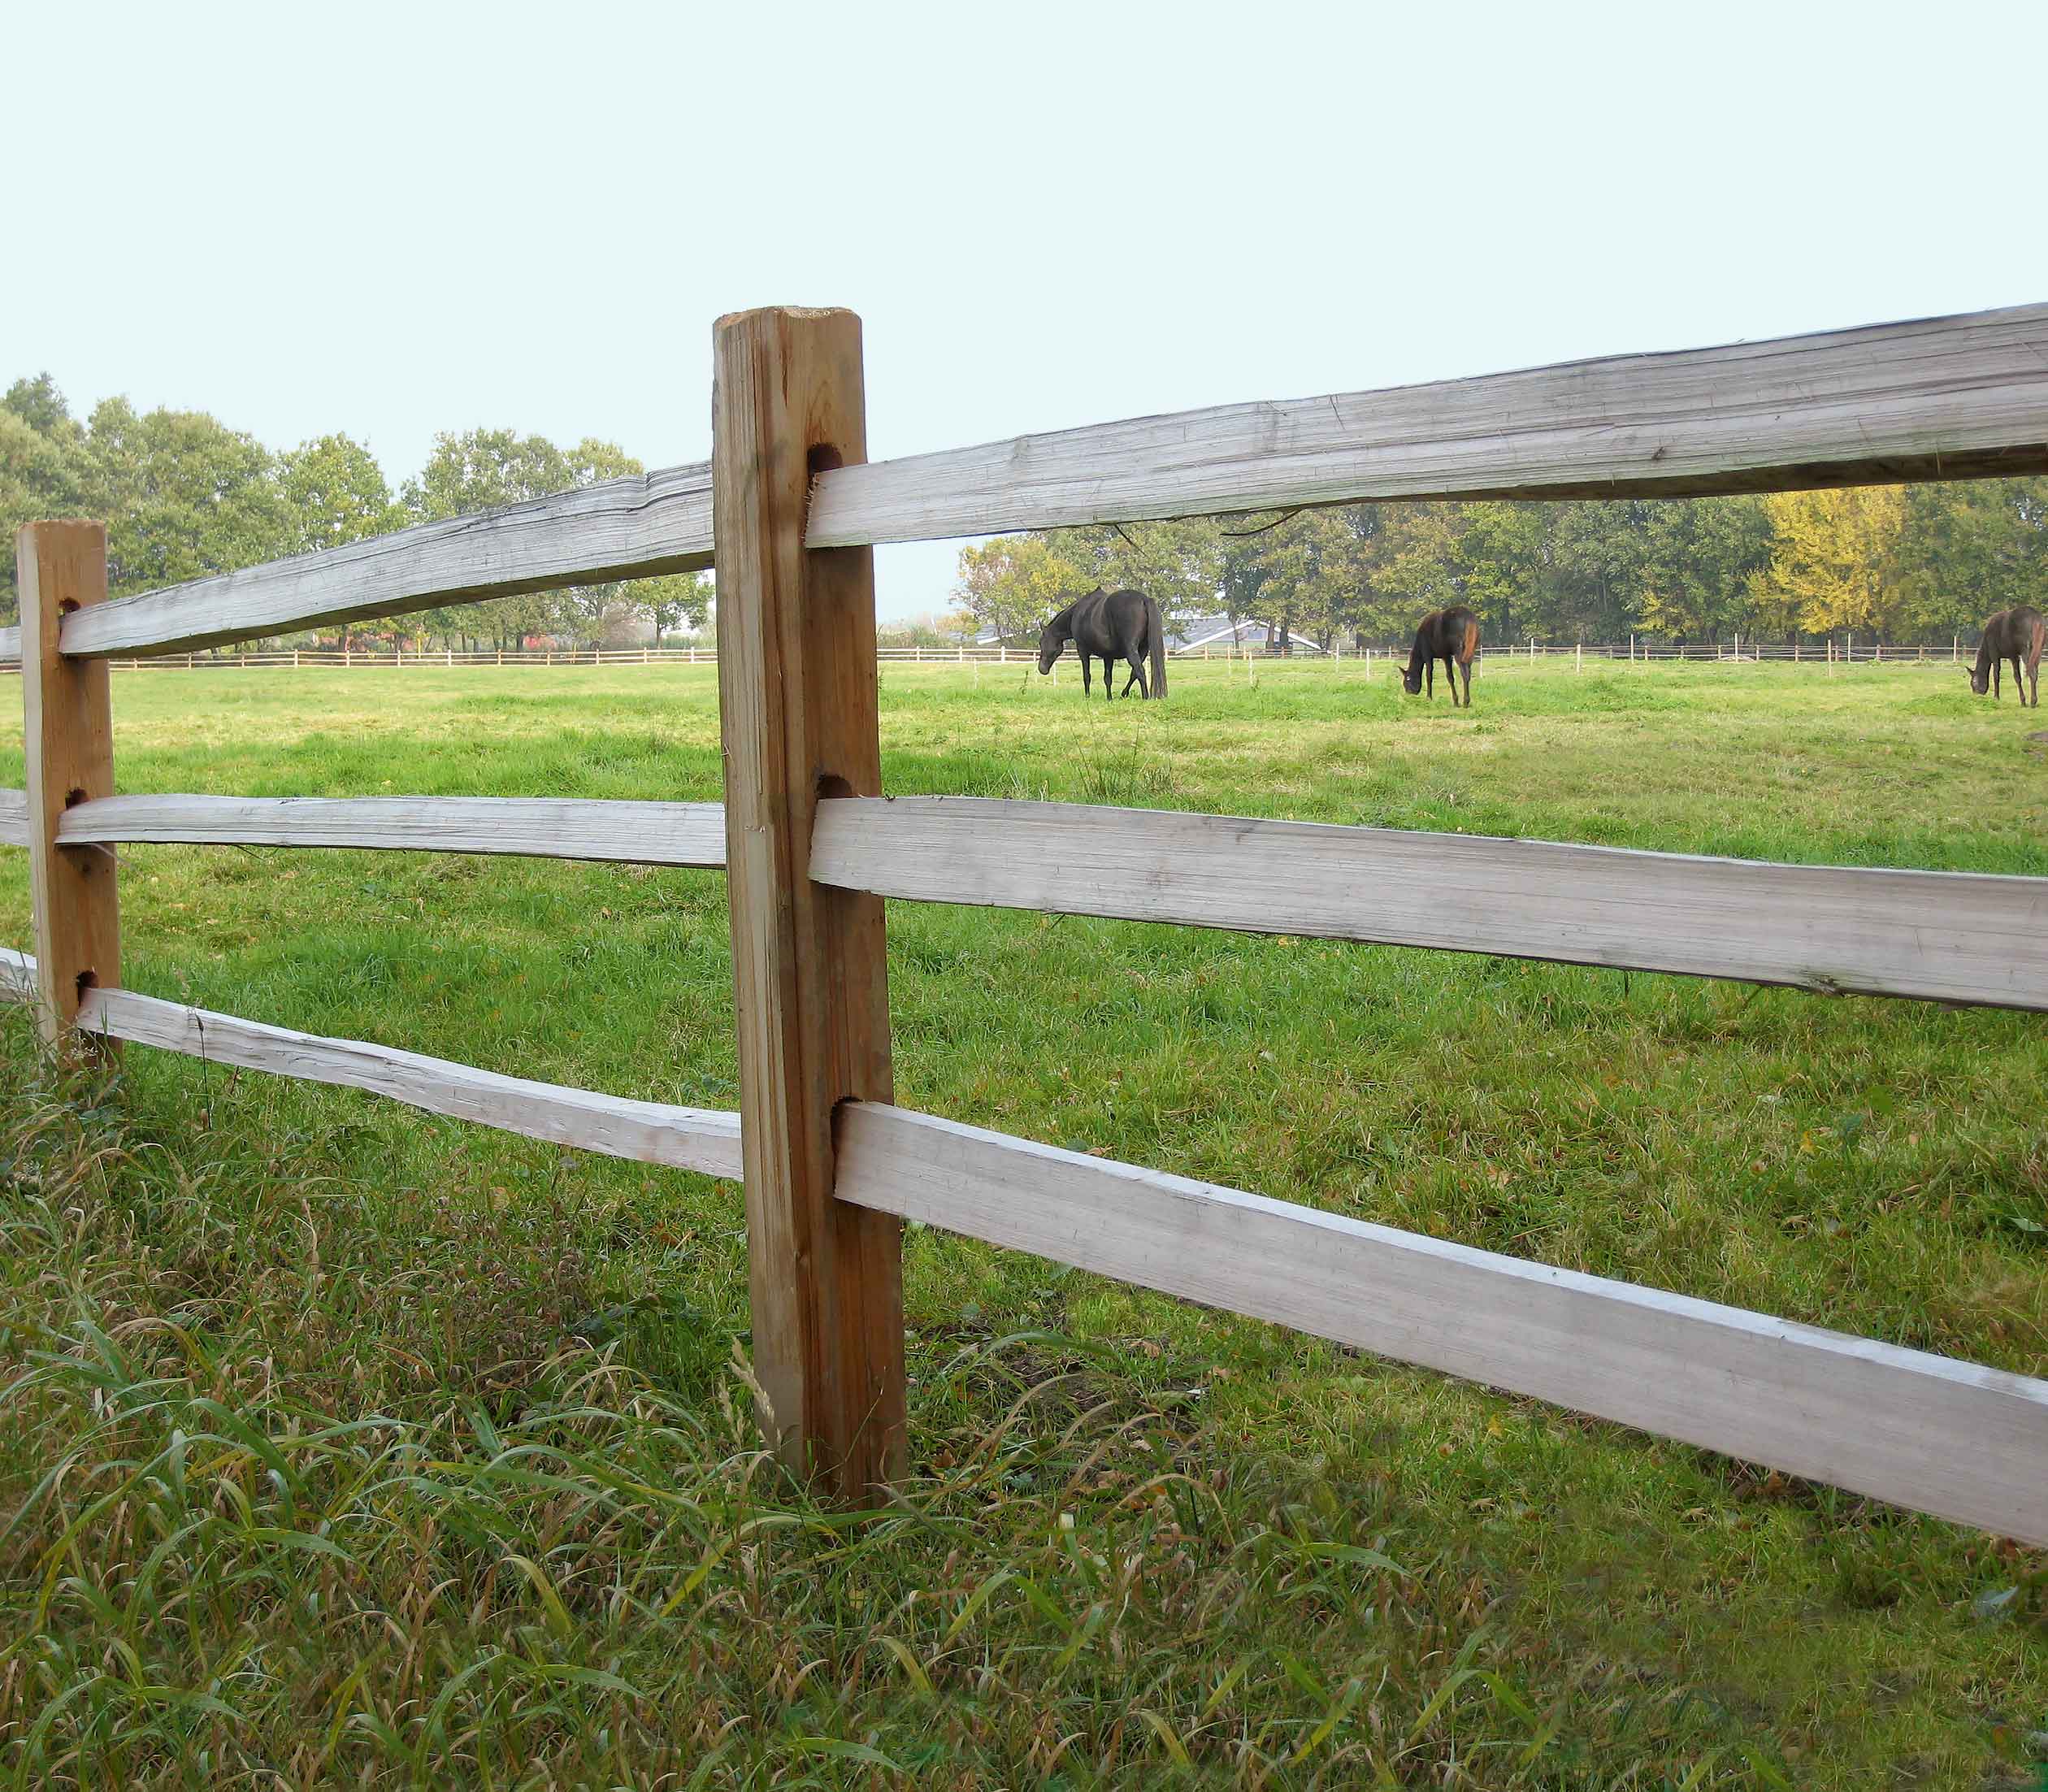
(789, 509)
(1510, 653)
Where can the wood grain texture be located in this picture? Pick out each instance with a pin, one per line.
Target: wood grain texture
(60, 569)
(626, 529)
(1960, 1441)
(626, 833)
(14, 817)
(649, 1132)
(1954, 397)
(1938, 935)
(797, 700)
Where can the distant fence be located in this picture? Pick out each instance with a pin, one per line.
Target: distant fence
(1819, 653)
(810, 848)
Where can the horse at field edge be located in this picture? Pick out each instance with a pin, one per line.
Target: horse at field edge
(1110, 626)
(2014, 634)
(1451, 635)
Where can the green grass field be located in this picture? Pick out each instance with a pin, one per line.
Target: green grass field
(346, 1443)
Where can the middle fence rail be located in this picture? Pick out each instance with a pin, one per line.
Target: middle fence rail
(1508, 654)
(830, 1165)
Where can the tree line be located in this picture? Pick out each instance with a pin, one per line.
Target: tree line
(183, 496)
(1904, 564)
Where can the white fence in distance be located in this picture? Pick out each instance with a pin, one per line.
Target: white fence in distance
(1808, 653)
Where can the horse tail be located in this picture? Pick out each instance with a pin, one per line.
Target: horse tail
(1155, 627)
(1471, 640)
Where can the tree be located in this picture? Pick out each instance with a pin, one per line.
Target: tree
(1014, 583)
(1969, 549)
(42, 469)
(1302, 575)
(1178, 565)
(332, 491)
(483, 470)
(1699, 558)
(678, 600)
(183, 495)
(1833, 558)
(1506, 551)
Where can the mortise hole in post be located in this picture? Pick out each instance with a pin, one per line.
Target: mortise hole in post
(831, 784)
(87, 979)
(823, 457)
(73, 798)
(66, 605)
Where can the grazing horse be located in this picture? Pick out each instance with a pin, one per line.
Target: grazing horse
(2014, 635)
(1451, 635)
(1110, 626)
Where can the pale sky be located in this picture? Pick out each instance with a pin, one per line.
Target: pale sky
(394, 219)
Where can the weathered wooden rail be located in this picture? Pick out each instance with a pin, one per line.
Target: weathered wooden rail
(787, 511)
(1502, 655)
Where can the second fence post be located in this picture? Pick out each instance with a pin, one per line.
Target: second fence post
(797, 697)
(69, 738)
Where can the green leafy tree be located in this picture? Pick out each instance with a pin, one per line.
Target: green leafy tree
(1699, 559)
(183, 495)
(43, 469)
(1969, 549)
(677, 601)
(484, 470)
(332, 491)
(1178, 564)
(1014, 583)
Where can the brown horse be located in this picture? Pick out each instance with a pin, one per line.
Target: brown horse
(1451, 635)
(2014, 635)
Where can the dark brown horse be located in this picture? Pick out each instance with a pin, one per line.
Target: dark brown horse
(1451, 635)
(1110, 626)
(2014, 635)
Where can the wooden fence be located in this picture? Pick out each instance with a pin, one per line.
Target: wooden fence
(1822, 652)
(811, 846)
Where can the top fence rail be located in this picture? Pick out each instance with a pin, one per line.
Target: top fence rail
(1956, 397)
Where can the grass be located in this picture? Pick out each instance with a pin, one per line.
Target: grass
(343, 1442)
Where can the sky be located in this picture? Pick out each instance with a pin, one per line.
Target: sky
(392, 221)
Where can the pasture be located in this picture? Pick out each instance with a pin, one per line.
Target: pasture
(1142, 1539)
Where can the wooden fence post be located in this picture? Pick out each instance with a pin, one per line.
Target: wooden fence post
(797, 695)
(69, 738)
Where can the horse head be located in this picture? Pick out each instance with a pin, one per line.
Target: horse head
(1979, 677)
(1054, 636)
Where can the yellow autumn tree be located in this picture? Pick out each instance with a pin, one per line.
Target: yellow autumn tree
(1834, 559)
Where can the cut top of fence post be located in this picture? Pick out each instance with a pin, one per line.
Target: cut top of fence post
(68, 735)
(797, 689)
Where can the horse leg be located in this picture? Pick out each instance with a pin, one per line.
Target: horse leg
(1468, 683)
(1429, 678)
(1087, 675)
(1137, 676)
(1108, 677)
